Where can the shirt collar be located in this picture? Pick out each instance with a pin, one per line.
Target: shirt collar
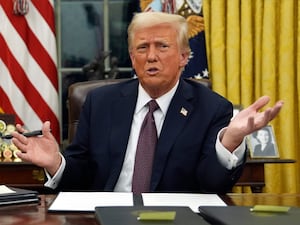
(163, 101)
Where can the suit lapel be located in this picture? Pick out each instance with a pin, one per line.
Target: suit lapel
(179, 110)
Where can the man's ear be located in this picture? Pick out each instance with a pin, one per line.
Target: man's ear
(184, 58)
(132, 58)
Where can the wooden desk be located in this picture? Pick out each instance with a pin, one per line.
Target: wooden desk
(33, 214)
(36, 214)
(254, 173)
(22, 175)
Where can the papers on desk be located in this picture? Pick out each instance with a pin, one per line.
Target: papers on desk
(182, 199)
(5, 190)
(87, 201)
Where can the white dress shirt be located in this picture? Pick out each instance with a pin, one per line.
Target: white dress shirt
(226, 158)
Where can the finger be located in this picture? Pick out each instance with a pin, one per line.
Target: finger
(46, 127)
(260, 103)
(19, 137)
(250, 123)
(22, 156)
(20, 128)
(19, 144)
(276, 109)
(47, 130)
(19, 140)
(271, 113)
(266, 118)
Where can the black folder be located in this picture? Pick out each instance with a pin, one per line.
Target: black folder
(241, 215)
(19, 196)
(128, 215)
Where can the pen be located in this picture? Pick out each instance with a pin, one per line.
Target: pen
(27, 134)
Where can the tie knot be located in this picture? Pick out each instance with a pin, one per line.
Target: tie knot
(152, 106)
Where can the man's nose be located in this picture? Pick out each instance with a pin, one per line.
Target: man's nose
(152, 54)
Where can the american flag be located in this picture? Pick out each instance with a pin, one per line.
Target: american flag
(28, 70)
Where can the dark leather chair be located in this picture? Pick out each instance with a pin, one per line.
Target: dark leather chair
(77, 93)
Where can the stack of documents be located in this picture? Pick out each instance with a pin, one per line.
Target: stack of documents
(9, 195)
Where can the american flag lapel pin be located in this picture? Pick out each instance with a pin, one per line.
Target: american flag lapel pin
(183, 111)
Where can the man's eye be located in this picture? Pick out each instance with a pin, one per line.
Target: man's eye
(141, 48)
(163, 46)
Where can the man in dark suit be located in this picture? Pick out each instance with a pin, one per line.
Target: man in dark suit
(199, 148)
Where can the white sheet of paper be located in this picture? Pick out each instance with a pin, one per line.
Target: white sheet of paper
(182, 199)
(5, 190)
(87, 201)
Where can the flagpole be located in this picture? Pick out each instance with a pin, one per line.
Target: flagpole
(57, 12)
(106, 32)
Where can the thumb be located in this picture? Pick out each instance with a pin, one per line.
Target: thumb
(46, 130)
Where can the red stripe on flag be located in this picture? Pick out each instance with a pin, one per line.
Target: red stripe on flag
(4, 101)
(32, 96)
(21, 80)
(46, 11)
(37, 51)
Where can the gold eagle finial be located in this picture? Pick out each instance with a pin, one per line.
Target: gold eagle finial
(195, 25)
(195, 22)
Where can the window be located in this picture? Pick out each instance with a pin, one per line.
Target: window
(87, 33)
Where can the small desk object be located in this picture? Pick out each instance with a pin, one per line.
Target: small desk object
(254, 172)
(22, 175)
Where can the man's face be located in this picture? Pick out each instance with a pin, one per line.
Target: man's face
(157, 58)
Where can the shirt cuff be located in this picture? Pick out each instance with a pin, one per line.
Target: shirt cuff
(52, 182)
(229, 159)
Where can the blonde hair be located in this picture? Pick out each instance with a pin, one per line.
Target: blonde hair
(149, 19)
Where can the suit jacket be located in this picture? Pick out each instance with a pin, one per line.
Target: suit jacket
(185, 159)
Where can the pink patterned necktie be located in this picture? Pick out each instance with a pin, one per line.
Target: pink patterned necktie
(145, 152)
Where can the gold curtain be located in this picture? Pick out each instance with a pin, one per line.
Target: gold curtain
(253, 49)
